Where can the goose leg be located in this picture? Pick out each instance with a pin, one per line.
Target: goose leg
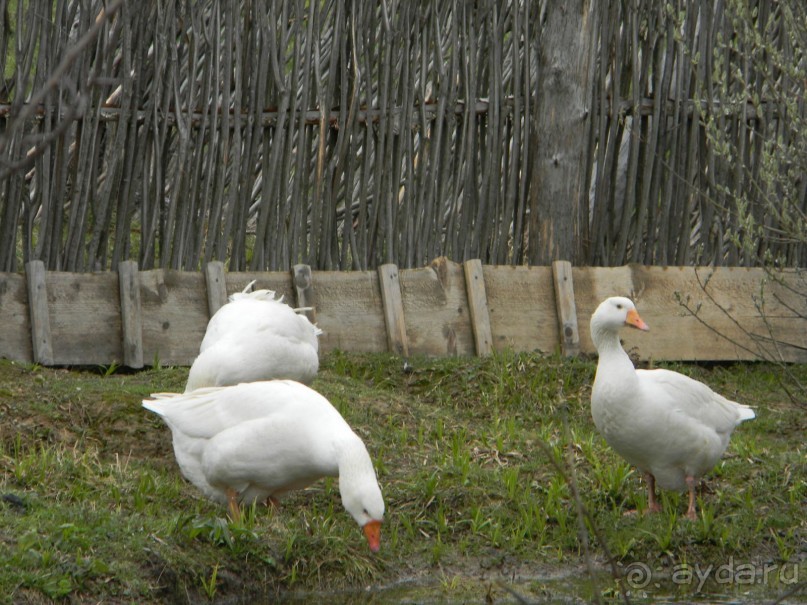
(232, 504)
(652, 504)
(691, 514)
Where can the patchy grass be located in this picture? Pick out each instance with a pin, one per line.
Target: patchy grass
(467, 450)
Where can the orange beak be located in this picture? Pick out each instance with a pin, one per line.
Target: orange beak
(372, 531)
(633, 320)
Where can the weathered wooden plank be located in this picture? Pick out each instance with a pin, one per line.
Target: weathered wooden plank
(595, 284)
(15, 324)
(85, 319)
(565, 308)
(392, 303)
(478, 306)
(40, 316)
(521, 301)
(304, 288)
(728, 325)
(435, 307)
(216, 286)
(130, 312)
(85, 325)
(175, 315)
(349, 311)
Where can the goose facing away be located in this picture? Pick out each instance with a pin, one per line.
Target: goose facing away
(255, 337)
(257, 441)
(673, 428)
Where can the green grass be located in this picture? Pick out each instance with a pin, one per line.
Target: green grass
(467, 452)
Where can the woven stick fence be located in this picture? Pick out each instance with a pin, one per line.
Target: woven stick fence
(347, 135)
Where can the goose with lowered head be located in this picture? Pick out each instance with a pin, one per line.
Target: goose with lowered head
(255, 336)
(256, 441)
(673, 428)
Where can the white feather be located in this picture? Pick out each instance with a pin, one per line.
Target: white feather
(255, 337)
(263, 439)
(663, 422)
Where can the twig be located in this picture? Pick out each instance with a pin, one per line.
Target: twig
(521, 599)
(583, 511)
(75, 109)
(578, 501)
(694, 313)
(796, 589)
(18, 121)
(71, 55)
(761, 352)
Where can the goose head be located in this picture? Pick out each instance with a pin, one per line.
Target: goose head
(359, 489)
(612, 314)
(362, 498)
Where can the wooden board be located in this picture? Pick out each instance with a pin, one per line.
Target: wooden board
(785, 308)
(349, 311)
(41, 340)
(565, 307)
(521, 302)
(478, 306)
(390, 284)
(303, 281)
(15, 325)
(131, 314)
(175, 315)
(592, 285)
(216, 286)
(84, 311)
(436, 310)
(725, 303)
(85, 318)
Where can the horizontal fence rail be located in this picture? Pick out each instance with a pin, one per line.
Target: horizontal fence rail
(138, 318)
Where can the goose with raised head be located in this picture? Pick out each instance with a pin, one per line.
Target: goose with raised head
(673, 428)
(256, 441)
(255, 336)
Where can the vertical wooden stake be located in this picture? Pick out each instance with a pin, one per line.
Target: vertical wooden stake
(131, 318)
(304, 287)
(566, 310)
(216, 286)
(38, 310)
(393, 309)
(478, 305)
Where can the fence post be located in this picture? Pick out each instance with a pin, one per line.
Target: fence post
(566, 310)
(38, 311)
(216, 286)
(131, 317)
(393, 309)
(304, 288)
(478, 306)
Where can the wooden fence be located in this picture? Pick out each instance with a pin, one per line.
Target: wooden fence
(352, 134)
(139, 318)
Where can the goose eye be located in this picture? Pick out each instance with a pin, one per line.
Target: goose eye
(619, 306)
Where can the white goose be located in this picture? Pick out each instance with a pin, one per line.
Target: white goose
(673, 428)
(255, 337)
(256, 441)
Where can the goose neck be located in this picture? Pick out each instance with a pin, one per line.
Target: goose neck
(605, 339)
(609, 348)
(352, 458)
